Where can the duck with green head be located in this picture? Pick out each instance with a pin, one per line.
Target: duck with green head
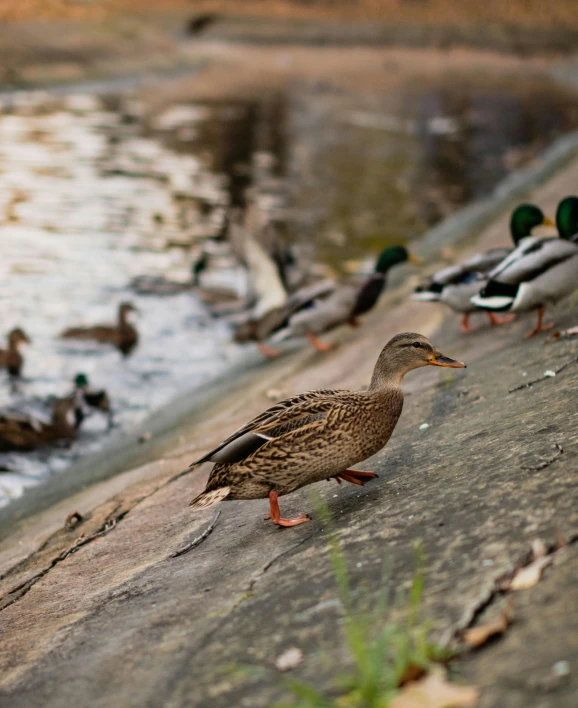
(538, 273)
(87, 400)
(344, 302)
(457, 284)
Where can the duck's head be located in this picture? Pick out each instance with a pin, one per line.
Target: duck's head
(567, 218)
(18, 336)
(81, 381)
(405, 352)
(526, 217)
(126, 308)
(392, 256)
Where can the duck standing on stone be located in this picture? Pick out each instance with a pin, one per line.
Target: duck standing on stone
(11, 358)
(123, 335)
(323, 306)
(316, 435)
(347, 303)
(540, 272)
(455, 285)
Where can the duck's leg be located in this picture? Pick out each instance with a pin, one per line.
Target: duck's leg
(275, 513)
(497, 320)
(318, 344)
(267, 351)
(540, 326)
(465, 323)
(355, 476)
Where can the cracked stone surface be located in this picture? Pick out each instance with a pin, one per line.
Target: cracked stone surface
(119, 621)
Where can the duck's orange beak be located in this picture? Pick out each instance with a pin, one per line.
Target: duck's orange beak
(548, 222)
(441, 360)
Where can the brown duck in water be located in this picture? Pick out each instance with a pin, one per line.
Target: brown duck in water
(23, 432)
(11, 358)
(317, 435)
(123, 335)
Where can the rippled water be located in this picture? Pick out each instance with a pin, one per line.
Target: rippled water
(95, 191)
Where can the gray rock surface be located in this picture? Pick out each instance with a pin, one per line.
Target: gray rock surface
(105, 615)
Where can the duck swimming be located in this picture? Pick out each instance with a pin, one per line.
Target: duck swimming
(316, 435)
(11, 358)
(87, 400)
(456, 285)
(123, 335)
(24, 432)
(540, 272)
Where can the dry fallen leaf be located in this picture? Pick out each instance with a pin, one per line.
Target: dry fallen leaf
(434, 691)
(477, 636)
(289, 659)
(529, 575)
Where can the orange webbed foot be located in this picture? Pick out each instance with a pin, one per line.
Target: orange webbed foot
(355, 476)
(275, 514)
(267, 351)
(497, 320)
(540, 326)
(318, 344)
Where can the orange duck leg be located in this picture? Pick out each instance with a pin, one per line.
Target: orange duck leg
(275, 513)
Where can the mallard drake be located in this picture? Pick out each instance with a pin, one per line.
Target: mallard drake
(87, 399)
(123, 335)
(456, 285)
(316, 435)
(24, 432)
(258, 329)
(538, 273)
(345, 303)
(11, 358)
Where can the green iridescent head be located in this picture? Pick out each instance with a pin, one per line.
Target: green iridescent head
(567, 217)
(391, 256)
(525, 218)
(81, 380)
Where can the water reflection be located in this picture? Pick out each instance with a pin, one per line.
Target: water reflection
(95, 191)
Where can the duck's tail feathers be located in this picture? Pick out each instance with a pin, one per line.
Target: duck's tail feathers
(209, 498)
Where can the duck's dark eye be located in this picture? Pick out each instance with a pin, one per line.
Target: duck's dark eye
(417, 345)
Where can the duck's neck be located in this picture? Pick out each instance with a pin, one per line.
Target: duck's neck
(386, 377)
(13, 344)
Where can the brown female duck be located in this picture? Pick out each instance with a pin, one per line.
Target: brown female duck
(23, 432)
(317, 435)
(11, 358)
(123, 335)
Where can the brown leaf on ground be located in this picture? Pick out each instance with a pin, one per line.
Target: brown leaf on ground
(435, 691)
(477, 636)
(289, 659)
(529, 575)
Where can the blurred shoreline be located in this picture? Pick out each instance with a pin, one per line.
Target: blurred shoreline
(89, 41)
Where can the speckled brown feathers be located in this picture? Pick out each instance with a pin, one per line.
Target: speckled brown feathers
(316, 435)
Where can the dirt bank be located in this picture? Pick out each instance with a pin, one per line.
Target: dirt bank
(103, 614)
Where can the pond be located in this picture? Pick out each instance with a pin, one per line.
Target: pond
(96, 190)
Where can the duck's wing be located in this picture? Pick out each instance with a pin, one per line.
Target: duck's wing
(286, 415)
(368, 294)
(525, 247)
(102, 333)
(536, 259)
(486, 261)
